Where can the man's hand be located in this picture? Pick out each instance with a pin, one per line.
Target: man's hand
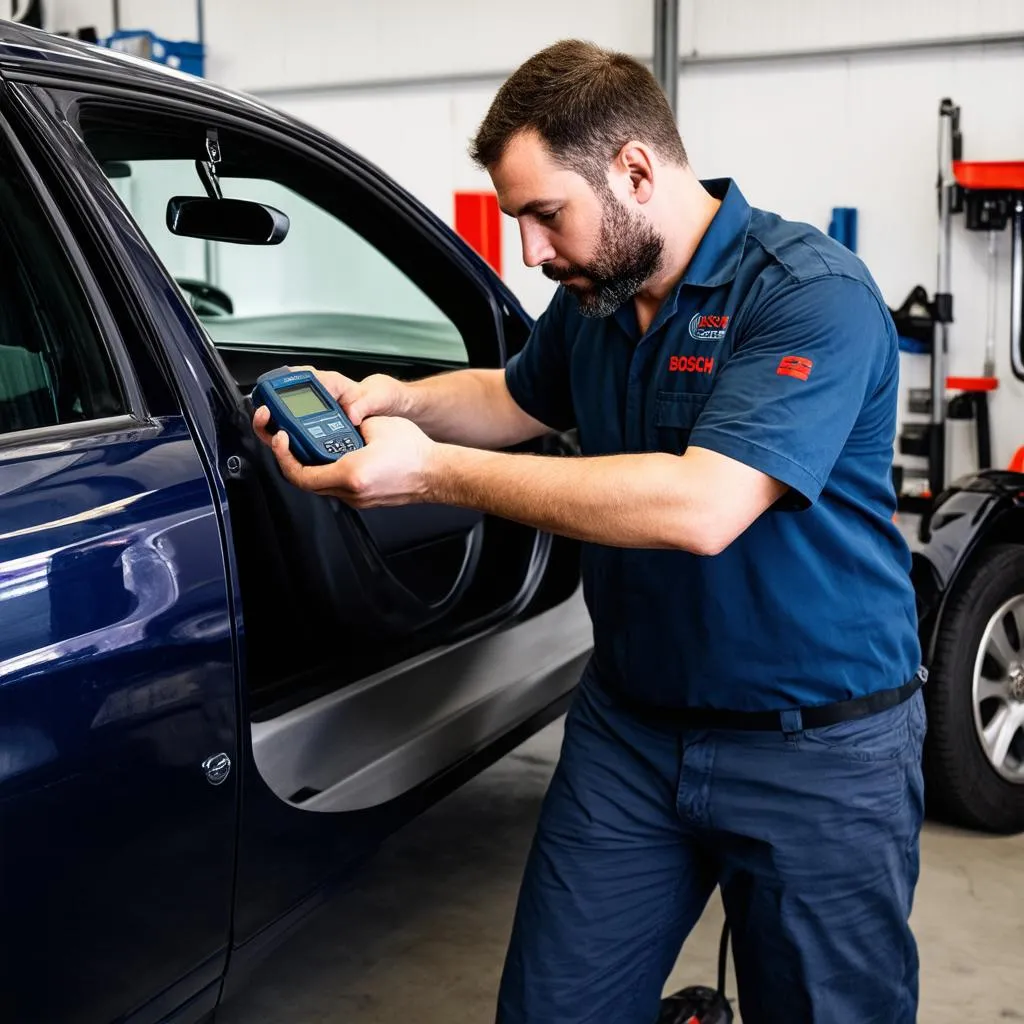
(376, 395)
(390, 470)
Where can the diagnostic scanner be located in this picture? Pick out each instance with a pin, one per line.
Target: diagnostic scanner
(318, 430)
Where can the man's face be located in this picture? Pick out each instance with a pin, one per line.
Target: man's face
(591, 242)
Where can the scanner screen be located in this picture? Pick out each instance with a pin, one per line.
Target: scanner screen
(302, 400)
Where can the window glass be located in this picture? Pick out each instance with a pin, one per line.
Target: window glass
(323, 287)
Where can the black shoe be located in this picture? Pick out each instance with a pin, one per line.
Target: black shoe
(697, 1004)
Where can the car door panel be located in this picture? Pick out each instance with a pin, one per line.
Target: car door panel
(116, 683)
(425, 545)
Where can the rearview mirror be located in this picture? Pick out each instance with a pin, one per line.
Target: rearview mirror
(226, 220)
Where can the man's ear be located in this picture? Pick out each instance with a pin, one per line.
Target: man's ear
(636, 162)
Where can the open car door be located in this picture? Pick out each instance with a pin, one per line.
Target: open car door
(388, 654)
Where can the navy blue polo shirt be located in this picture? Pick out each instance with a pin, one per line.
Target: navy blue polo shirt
(777, 350)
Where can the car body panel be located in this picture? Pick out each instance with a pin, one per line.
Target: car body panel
(973, 511)
(116, 682)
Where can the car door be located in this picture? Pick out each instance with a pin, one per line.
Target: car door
(386, 655)
(118, 804)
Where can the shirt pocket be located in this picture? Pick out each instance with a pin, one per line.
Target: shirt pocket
(675, 415)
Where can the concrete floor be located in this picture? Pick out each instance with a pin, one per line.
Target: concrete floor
(421, 939)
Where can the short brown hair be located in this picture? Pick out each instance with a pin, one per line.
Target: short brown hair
(586, 103)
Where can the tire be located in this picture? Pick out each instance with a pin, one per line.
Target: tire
(963, 785)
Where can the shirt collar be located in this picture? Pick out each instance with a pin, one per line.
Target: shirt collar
(720, 250)
(716, 259)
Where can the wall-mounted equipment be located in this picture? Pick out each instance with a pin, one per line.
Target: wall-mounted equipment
(990, 195)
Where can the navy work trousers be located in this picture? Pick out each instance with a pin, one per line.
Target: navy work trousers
(813, 838)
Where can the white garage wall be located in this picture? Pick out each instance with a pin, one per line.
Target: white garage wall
(263, 44)
(747, 26)
(260, 44)
(407, 83)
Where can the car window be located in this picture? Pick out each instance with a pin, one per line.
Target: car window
(54, 367)
(323, 288)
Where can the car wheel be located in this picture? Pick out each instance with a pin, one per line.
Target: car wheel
(974, 751)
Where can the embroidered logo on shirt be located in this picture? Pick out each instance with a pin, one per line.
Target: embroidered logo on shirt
(795, 366)
(691, 364)
(705, 327)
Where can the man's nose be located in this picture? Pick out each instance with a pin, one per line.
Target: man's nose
(536, 247)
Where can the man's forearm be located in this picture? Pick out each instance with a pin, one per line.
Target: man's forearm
(469, 407)
(634, 501)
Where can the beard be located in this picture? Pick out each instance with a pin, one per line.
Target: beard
(629, 253)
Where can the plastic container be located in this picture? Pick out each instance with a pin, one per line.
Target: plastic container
(178, 54)
(990, 174)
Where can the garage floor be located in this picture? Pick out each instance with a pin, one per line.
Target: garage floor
(421, 940)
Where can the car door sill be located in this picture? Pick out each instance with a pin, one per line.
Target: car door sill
(369, 743)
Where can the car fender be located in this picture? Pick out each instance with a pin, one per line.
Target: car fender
(976, 510)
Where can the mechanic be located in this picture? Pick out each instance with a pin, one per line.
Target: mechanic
(751, 716)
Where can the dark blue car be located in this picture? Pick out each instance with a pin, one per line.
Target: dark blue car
(219, 694)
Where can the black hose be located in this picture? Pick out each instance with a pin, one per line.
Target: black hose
(723, 953)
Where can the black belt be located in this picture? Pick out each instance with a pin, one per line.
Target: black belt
(787, 720)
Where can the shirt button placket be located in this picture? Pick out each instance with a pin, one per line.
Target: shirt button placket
(635, 389)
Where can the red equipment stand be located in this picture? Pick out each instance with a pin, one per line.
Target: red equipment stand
(991, 195)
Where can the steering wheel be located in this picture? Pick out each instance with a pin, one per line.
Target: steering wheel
(206, 299)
